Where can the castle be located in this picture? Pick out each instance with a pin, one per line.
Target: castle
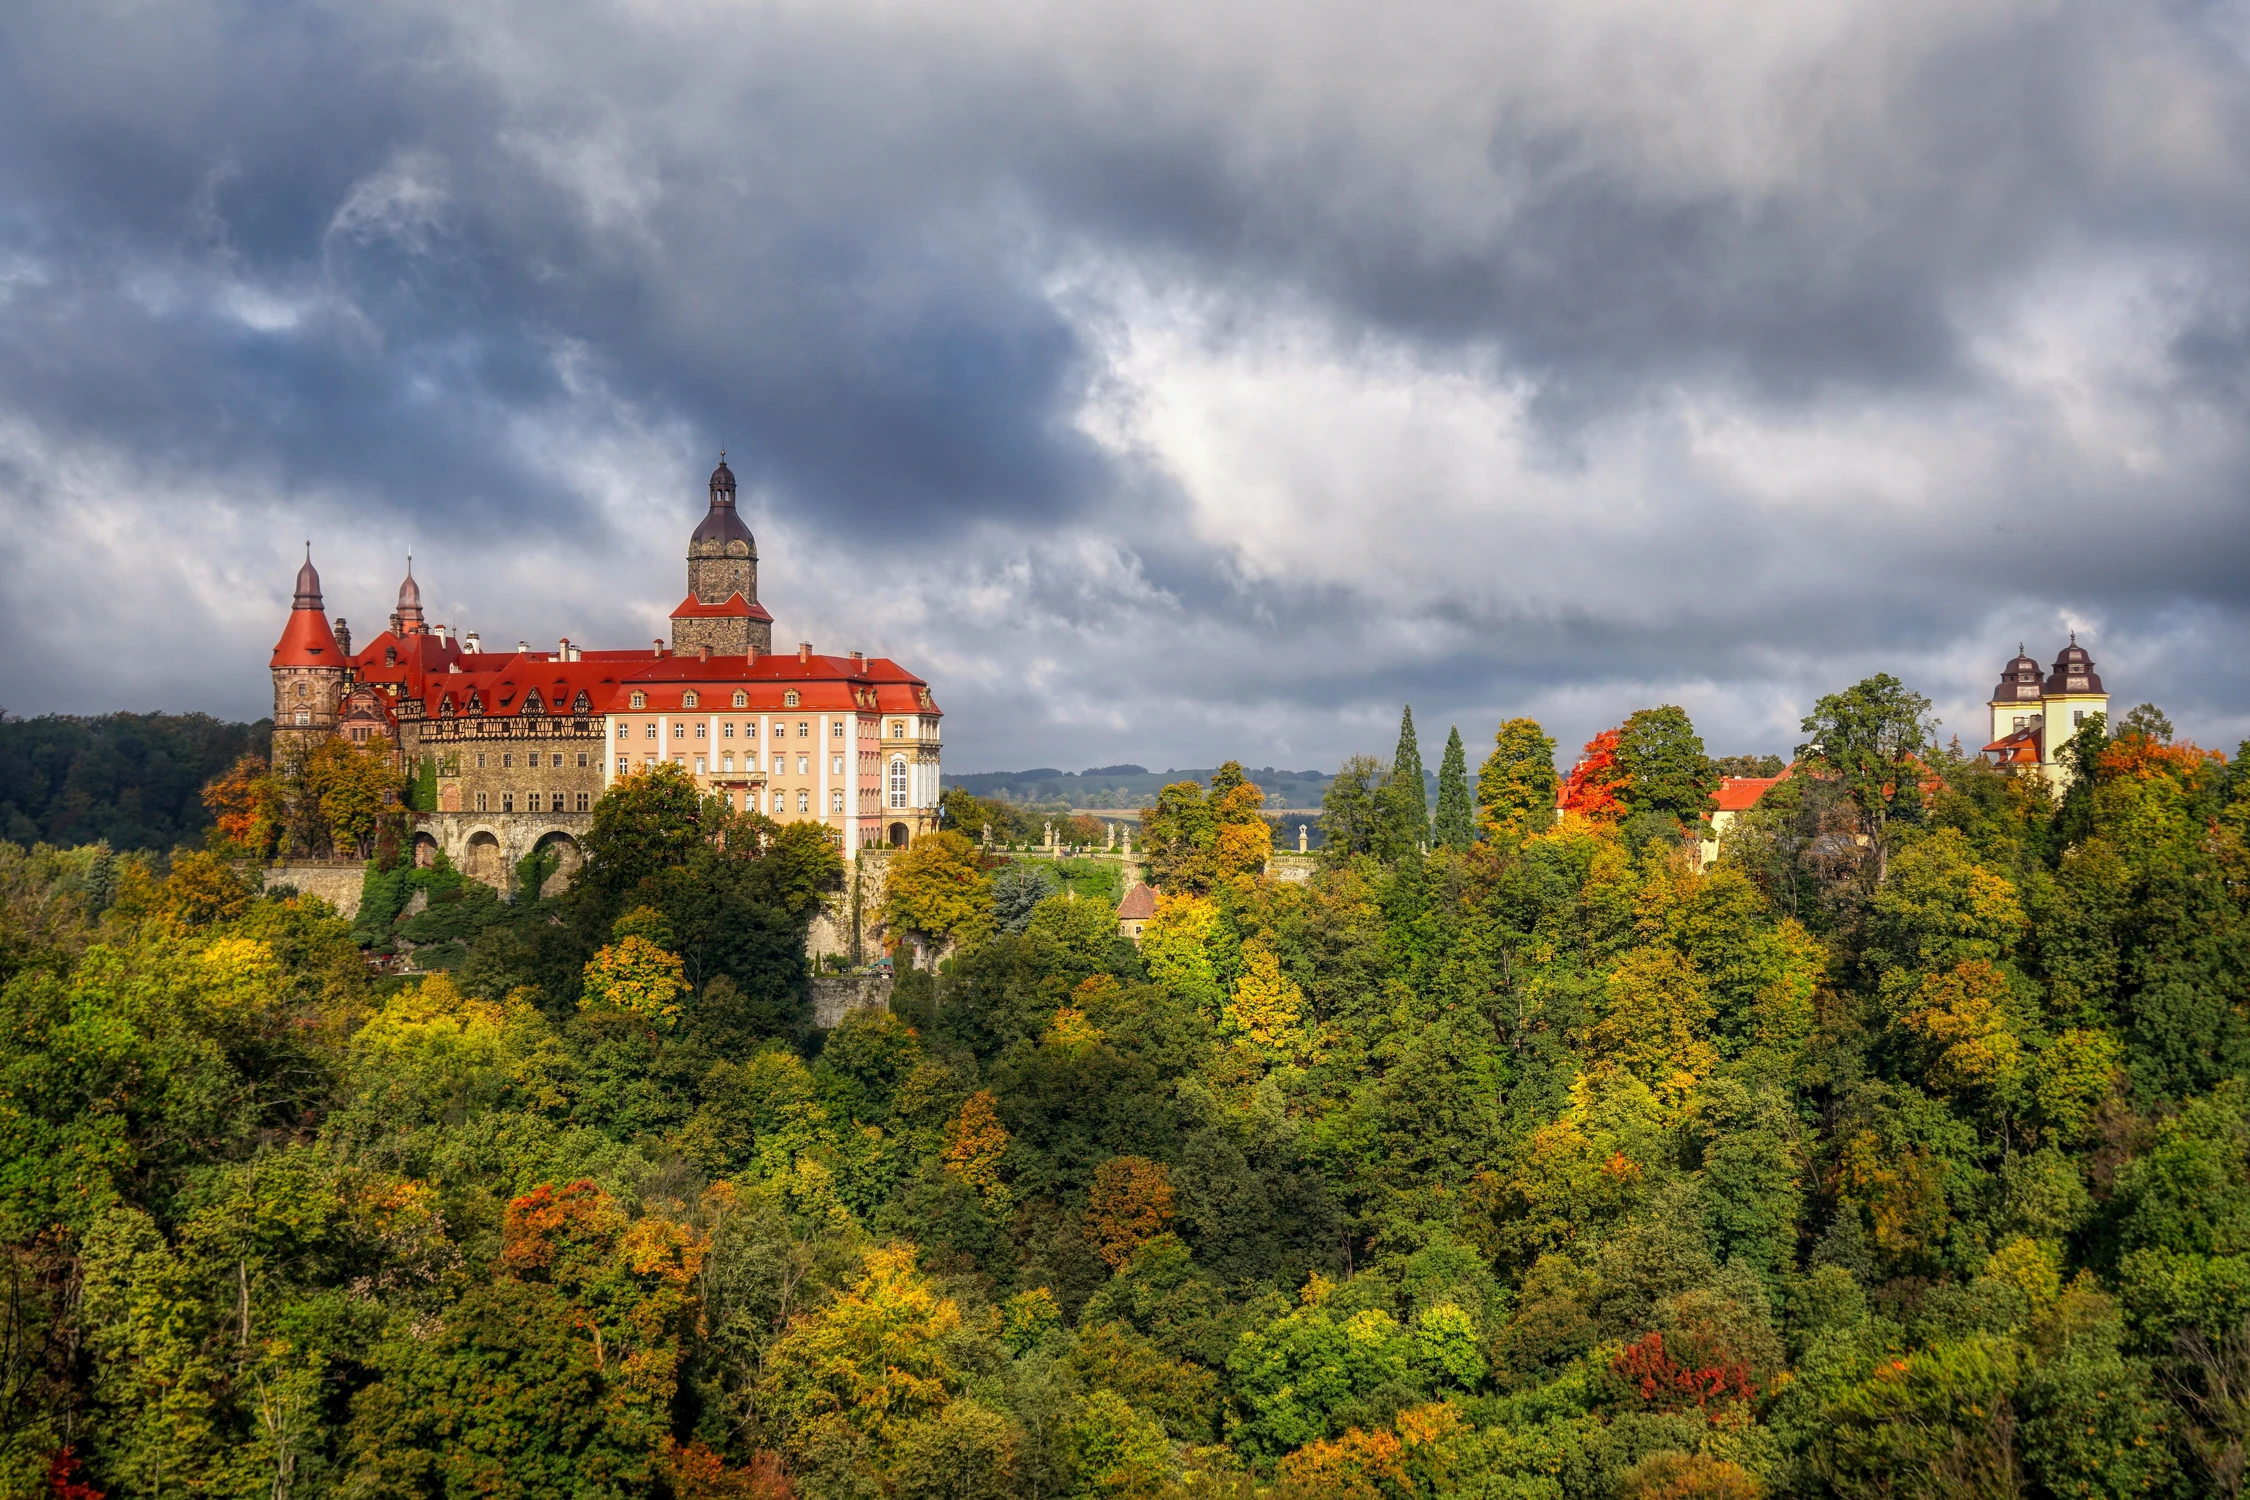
(2034, 715)
(522, 743)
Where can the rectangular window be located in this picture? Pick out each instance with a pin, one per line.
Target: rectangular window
(804, 801)
(838, 768)
(804, 767)
(650, 733)
(803, 729)
(699, 730)
(507, 801)
(2077, 716)
(480, 802)
(836, 730)
(507, 759)
(581, 760)
(679, 731)
(624, 766)
(558, 760)
(699, 767)
(727, 732)
(726, 763)
(480, 760)
(624, 730)
(582, 800)
(749, 731)
(835, 801)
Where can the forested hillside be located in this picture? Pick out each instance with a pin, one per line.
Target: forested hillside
(132, 781)
(1906, 1151)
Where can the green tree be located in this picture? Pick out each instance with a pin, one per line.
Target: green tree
(1516, 785)
(1351, 817)
(1668, 778)
(646, 823)
(1404, 796)
(1874, 737)
(1455, 824)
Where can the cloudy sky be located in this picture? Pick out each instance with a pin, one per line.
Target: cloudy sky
(1163, 380)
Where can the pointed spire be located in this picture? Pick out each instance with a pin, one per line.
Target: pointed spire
(308, 584)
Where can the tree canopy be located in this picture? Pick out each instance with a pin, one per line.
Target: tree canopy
(1904, 1150)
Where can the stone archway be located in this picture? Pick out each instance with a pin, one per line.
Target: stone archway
(480, 857)
(898, 835)
(426, 850)
(568, 860)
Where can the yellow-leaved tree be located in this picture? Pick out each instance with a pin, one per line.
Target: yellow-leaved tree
(1267, 1008)
(975, 1144)
(937, 889)
(635, 975)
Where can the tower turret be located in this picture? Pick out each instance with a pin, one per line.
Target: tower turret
(2073, 693)
(406, 620)
(308, 669)
(721, 612)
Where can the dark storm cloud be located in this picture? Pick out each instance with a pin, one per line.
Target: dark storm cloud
(1138, 370)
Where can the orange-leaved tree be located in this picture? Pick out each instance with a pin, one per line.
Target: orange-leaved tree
(1130, 1205)
(246, 804)
(1595, 787)
(975, 1144)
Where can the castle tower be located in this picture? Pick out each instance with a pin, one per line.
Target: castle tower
(721, 613)
(308, 671)
(2015, 702)
(2073, 692)
(406, 620)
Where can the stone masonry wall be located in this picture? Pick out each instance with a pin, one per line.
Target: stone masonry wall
(336, 882)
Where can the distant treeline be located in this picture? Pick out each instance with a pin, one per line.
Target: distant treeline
(132, 780)
(1128, 785)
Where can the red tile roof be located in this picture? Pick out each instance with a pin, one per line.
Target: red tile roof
(1741, 793)
(1139, 904)
(733, 607)
(306, 641)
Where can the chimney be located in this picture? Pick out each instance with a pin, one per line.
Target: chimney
(343, 636)
(703, 653)
(470, 642)
(656, 647)
(523, 648)
(439, 631)
(564, 653)
(804, 653)
(859, 664)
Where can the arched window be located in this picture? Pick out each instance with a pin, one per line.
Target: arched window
(788, 699)
(741, 698)
(640, 700)
(689, 701)
(898, 781)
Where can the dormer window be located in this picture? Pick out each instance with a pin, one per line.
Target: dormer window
(640, 700)
(532, 704)
(581, 704)
(445, 706)
(689, 701)
(741, 699)
(788, 699)
(476, 704)
(390, 656)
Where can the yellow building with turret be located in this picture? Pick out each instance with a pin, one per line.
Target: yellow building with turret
(2034, 714)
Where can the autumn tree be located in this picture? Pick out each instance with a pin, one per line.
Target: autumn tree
(1129, 1205)
(246, 805)
(353, 785)
(1595, 787)
(936, 888)
(1516, 785)
(1197, 840)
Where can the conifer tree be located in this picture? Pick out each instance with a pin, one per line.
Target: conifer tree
(1456, 825)
(1406, 805)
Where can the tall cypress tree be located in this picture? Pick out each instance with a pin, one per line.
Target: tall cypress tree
(1456, 826)
(1406, 801)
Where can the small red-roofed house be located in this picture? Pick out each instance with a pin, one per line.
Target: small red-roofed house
(1736, 795)
(1136, 910)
